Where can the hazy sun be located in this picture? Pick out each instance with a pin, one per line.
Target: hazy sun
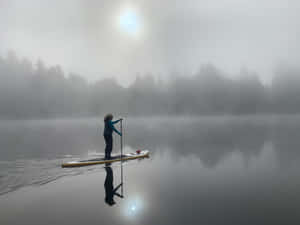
(129, 22)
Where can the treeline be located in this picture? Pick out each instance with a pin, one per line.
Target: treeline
(30, 90)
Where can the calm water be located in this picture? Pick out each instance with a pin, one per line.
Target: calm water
(207, 170)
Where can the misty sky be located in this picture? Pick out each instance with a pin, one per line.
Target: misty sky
(104, 38)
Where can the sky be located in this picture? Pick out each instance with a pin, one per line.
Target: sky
(109, 38)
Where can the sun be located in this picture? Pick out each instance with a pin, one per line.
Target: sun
(129, 22)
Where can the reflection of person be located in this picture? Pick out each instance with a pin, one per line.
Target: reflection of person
(108, 130)
(110, 192)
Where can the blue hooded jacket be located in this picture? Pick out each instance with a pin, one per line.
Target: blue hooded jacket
(109, 127)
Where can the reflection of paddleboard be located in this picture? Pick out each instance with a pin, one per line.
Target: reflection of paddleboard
(129, 156)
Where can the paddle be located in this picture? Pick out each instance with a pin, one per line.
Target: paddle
(121, 128)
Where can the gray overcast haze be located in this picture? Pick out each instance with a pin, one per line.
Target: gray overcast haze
(86, 37)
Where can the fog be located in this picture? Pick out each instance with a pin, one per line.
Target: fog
(196, 58)
(83, 36)
(33, 90)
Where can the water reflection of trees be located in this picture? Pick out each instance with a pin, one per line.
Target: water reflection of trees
(285, 136)
(216, 138)
(49, 138)
(208, 138)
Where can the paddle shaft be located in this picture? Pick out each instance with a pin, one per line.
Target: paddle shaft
(121, 128)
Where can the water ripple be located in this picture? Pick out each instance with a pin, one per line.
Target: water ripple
(20, 173)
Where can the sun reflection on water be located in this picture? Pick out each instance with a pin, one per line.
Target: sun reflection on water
(133, 207)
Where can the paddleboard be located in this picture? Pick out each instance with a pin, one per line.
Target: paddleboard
(125, 157)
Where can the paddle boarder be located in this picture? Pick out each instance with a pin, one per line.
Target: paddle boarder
(110, 191)
(107, 133)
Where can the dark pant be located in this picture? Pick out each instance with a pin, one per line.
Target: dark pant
(109, 145)
(109, 186)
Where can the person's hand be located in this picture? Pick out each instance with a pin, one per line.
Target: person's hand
(121, 119)
(120, 134)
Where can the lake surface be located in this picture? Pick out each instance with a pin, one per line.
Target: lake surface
(202, 170)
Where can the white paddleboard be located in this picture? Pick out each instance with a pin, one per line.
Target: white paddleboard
(128, 156)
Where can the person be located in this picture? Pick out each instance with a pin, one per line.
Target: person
(110, 191)
(107, 133)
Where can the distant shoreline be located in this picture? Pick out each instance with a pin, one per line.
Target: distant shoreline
(260, 115)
